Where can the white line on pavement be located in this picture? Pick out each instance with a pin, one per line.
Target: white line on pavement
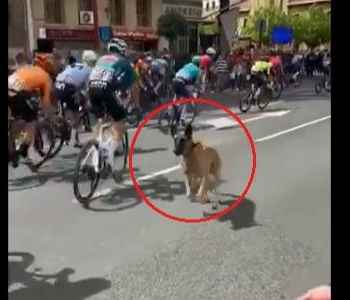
(224, 122)
(269, 137)
(105, 192)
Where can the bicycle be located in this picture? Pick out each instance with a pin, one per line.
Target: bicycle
(97, 150)
(266, 95)
(43, 128)
(170, 117)
(323, 82)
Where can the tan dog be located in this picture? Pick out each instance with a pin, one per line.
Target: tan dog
(200, 164)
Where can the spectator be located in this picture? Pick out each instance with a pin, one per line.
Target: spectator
(221, 66)
(22, 60)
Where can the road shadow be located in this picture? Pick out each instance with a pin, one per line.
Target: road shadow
(126, 197)
(58, 170)
(243, 216)
(39, 286)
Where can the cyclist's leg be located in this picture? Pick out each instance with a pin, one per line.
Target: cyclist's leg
(24, 106)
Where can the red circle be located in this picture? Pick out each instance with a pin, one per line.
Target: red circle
(186, 220)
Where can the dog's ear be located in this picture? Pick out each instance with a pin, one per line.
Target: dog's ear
(188, 131)
(173, 131)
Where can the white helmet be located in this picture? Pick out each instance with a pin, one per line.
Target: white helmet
(89, 57)
(116, 45)
(211, 51)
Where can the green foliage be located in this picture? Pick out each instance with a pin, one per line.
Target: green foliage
(171, 25)
(311, 27)
(273, 15)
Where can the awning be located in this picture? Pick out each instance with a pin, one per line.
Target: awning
(209, 28)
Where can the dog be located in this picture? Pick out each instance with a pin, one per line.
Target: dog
(200, 164)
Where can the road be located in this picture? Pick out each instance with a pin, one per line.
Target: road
(275, 245)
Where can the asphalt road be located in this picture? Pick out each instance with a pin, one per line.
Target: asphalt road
(275, 245)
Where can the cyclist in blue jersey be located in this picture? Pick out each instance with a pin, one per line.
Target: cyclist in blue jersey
(112, 72)
(187, 76)
(70, 89)
(158, 70)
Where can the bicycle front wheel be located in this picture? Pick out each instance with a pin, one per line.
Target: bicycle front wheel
(246, 103)
(44, 142)
(191, 112)
(121, 157)
(85, 172)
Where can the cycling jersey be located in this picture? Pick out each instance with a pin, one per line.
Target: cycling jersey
(262, 67)
(276, 61)
(189, 73)
(159, 66)
(112, 71)
(31, 79)
(76, 75)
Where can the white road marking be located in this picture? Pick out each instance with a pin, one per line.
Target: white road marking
(272, 136)
(225, 122)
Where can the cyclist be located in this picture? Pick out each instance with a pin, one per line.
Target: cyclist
(158, 70)
(112, 72)
(24, 99)
(70, 88)
(261, 73)
(188, 75)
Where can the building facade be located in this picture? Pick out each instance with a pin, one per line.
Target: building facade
(70, 23)
(192, 11)
(17, 28)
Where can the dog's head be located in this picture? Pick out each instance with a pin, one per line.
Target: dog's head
(182, 142)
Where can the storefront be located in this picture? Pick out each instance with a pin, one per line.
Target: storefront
(138, 40)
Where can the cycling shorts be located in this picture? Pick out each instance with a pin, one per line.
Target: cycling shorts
(180, 90)
(104, 101)
(24, 106)
(66, 93)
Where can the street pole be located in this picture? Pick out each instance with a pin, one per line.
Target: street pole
(30, 27)
(94, 6)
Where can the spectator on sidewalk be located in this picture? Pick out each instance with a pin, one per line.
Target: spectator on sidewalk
(221, 66)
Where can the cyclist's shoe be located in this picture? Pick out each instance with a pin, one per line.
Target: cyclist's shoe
(89, 171)
(23, 150)
(88, 129)
(14, 159)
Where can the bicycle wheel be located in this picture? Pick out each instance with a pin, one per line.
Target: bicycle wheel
(318, 86)
(44, 142)
(131, 114)
(165, 119)
(246, 103)
(123, 157)
(297, 80)
(277, 90)
(84, 167)
(327, 85)
(191, 112)
(62, 132)
(265, 98)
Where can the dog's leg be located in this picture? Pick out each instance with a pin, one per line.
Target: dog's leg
(188, 187)
(202, 193)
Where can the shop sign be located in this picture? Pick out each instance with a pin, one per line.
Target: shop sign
(135, 35)
(70, 34)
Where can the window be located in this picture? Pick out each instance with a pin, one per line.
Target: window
(84, 5)
(207, 6)
(213, 5)
(116, 12)
(143, 12)
(54, 11)
(245, 22)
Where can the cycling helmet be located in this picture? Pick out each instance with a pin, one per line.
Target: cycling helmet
(196, 60)
(211, 51)
(89, 57)
(149, 59)
(44, 61)
(116, 45)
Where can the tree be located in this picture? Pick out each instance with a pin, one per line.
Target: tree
(171, 25)
(312, 27)
(273, 16)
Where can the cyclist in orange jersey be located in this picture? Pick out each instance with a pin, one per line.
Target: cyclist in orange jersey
(28, 87)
